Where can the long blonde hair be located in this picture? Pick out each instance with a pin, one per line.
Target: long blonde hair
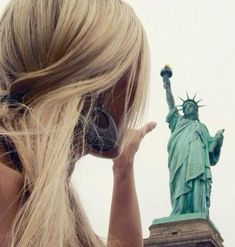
(63, 52)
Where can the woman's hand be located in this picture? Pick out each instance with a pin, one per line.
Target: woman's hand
(125, 160)
(125, 223)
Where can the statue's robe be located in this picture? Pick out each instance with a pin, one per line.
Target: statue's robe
(191, 153)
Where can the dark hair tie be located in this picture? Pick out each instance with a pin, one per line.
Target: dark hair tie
(11, 151)
(13, 98)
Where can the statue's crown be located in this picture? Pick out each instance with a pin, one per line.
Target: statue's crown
(190, 100)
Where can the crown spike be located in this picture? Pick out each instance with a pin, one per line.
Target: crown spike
(201, 106)
(199, 101)
(187, 95)
(181, 99)
(194, 96)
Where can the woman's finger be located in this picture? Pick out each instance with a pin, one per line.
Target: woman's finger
(147, 128)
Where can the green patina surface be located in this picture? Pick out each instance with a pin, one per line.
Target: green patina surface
(191, 153)
(180, 217)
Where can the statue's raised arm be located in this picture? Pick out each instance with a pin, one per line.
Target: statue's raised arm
(166, 73)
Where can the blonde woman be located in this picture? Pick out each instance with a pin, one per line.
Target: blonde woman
(73, 81)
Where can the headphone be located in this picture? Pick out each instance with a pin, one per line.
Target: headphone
(101, 133)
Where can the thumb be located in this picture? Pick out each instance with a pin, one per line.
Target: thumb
(148, 128)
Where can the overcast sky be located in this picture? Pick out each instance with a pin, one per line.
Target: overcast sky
(197, 39)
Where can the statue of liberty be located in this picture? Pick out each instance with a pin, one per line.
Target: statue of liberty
(192, 151)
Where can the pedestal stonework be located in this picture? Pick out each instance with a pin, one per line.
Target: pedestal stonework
(192, 231)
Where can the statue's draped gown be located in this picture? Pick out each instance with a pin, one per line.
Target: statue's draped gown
(191, 153)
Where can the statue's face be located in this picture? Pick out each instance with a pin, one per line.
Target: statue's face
(190, 110)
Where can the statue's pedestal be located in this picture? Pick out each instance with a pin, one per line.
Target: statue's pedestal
(189, 230)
